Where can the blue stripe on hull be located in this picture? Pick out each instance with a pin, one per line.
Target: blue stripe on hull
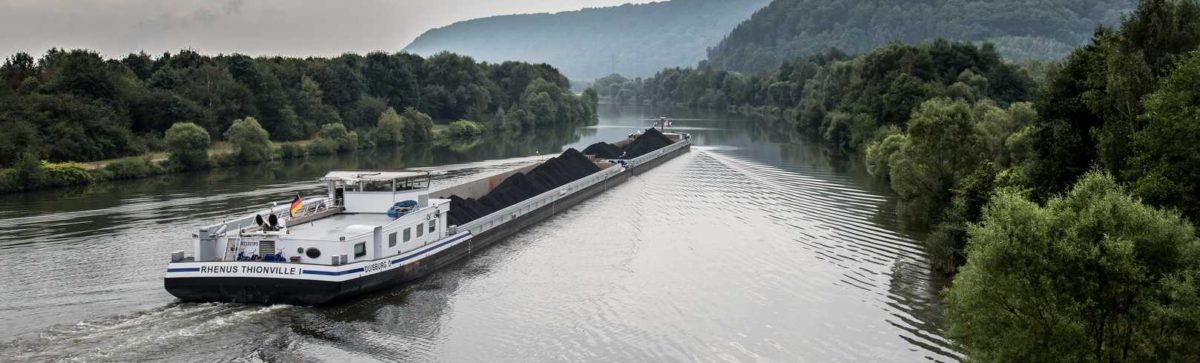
(434, 247)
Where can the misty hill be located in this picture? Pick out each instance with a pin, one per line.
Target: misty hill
(641, 39)
(1020, 29)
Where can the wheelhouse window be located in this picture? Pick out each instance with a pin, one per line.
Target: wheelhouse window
(360, 249)
(412, 183)
(377, 186)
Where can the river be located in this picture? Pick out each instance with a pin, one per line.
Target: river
(754, 246)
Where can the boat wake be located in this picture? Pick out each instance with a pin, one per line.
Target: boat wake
(153, 334)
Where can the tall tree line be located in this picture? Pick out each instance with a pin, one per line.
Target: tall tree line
(76, 105)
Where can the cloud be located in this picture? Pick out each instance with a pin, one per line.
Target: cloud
(202, 16)
(154, 28)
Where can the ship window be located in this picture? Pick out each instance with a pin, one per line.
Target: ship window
(407, 234)
(392, 240)
(420, 230)
(313, 253)
(360, 249)
(432, 226)
(412, 183)
(377, 186)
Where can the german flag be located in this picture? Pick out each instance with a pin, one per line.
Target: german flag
(297, 205)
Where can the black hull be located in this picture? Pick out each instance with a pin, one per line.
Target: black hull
(313, 292)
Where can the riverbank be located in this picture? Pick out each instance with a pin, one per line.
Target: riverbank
(41, 174)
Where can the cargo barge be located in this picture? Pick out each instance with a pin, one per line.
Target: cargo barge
(379, 229)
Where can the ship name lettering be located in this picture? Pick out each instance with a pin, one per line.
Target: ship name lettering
(374, 267)
(218, 269)
(270, 270)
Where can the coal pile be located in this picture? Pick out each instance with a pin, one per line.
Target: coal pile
(648, 141)
(603, 150)
(558, 171)
(645, 143)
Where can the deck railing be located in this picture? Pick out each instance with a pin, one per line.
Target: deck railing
(280, 210)
(655, 154)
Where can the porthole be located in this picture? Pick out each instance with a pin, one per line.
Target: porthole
(300, 250)
(313, 253)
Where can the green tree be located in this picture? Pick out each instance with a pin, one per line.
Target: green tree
(250, 141)
(389, 130)
(947, 243)
(1167, 158)
(188, 144)
(879, 152)
(1092, 276)
(464, 129)
(943, 145)
(337, 134)
(311, 108)
(418, 127)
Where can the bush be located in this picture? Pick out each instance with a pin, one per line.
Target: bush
(465, 129)
(29, 172)
(188, 144)
(227, 160)
(322, 147)
(251, 142)
(66, 174)
(9, 181)
(345, 140)
(133, 168)
(291, 150)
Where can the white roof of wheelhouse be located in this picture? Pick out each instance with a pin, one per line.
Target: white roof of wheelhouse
(371, 175)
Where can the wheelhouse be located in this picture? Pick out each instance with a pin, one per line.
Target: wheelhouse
(375, 191)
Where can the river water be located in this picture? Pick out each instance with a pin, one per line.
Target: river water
(755, 246)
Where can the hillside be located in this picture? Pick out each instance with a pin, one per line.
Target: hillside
(635, 40)
(1020, 29)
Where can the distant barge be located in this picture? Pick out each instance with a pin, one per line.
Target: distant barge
(372, 230)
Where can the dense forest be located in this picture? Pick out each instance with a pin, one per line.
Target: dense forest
(633, 39)
(1019, 29)
(74, 105)
(1061, 197)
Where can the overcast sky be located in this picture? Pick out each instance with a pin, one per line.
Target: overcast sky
(256, 27)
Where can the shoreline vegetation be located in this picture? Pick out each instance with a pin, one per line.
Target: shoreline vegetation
(191, 151)
(73, 117)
